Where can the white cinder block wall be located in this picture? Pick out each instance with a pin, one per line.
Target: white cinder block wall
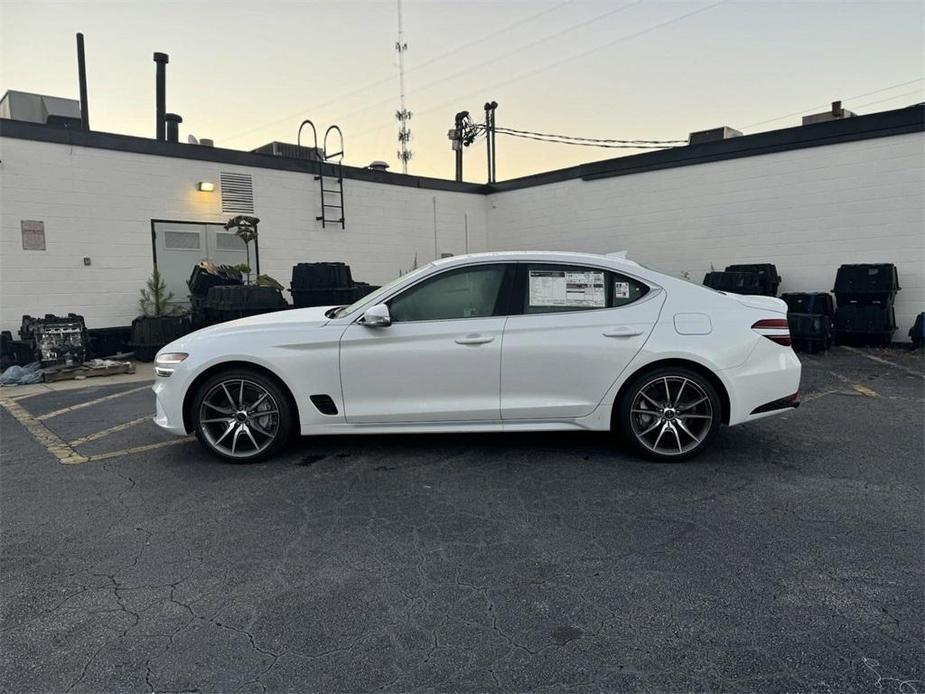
(100, 203)
(807, 211)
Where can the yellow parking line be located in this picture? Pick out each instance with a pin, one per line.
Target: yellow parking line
(51, 441)
(89, 403)
(110, 430)
(140, 449)
(864, 390)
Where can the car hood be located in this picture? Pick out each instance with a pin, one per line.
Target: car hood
(303, 317)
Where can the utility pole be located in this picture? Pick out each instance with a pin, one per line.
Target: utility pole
(490, 107)
(403, 115)
(461, 135)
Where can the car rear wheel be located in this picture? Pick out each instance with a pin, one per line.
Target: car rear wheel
(670, 414)
(242, 416)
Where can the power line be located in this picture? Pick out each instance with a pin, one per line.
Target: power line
(385, 80)
(514, 131)
(585, 144)
(531, 73)
(891, 98)
(818, 106)
(444, 79)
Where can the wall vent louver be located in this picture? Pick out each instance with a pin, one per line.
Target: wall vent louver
(237, 193)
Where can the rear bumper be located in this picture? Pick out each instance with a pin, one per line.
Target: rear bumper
(768, 383)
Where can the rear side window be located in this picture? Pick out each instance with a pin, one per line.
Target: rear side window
(547, 288)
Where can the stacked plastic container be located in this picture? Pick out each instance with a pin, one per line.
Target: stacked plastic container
(865, 294)
(325, 284)
(759, 278)
(810, 316)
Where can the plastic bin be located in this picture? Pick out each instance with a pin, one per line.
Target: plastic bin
(866, 283)
(810, 302)
(327, 275)
(917, 332)
(233, 302)
(202, 280)
(733, 282)
(768, 279)
(868, 325)
(810, 332)
(150, 333)
(305, 298)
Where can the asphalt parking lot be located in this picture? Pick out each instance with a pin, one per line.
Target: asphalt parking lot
(787, 558)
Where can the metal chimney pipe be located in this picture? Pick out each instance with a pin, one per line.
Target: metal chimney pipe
(173, 127)
(82, 78)
(160, 97)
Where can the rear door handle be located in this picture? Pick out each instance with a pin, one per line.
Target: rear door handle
(474, 340)
(622, 331)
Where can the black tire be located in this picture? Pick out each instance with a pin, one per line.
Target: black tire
(694, 433)
(254, 383)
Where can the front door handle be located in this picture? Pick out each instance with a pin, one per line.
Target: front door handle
(623, 331)
(474, 340)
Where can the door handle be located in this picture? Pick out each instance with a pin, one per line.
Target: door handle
(622, 331)
(474, 340)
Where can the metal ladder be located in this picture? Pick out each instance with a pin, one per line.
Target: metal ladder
(332, 186)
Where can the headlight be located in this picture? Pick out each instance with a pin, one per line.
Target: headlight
(164, 363)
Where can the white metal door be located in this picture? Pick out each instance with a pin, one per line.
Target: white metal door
(561, 363)
(178, 246)
(427, 371)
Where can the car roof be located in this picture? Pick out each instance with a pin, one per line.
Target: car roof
(546, 256)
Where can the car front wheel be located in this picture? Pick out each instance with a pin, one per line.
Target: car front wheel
(670, 414)
(242, 416)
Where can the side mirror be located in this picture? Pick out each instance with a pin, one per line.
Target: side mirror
(376, 317)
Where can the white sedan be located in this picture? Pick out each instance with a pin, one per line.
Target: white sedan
(489, 342)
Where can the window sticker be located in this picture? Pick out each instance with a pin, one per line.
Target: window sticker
(621, 290)
(562, 288)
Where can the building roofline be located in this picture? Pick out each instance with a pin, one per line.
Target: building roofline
(910, 119)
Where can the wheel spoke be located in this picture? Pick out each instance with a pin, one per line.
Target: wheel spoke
(257, 404)
(692, 405)
(228, 395)
(223, 410)
(234, 439)
(250, 436)
(660, 434)
(260, 430)
(674, 430)
(651, 428)
(696, 416)
(687, 431)
(645, 395)
(227, 420)
(677, 400)
(651, 413)
(265, 413)
(667, 392)
(241, 396)
(230, 428)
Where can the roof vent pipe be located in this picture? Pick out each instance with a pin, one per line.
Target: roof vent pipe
(160, 97)
(82, 78)
(173, 127)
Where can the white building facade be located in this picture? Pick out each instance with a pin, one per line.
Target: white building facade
(83, 214)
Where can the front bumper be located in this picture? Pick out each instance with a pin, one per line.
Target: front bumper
(168, 394)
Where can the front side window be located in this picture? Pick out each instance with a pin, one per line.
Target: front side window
(464, 293)
(548, 288)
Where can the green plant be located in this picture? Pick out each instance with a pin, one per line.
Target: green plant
(155, 299)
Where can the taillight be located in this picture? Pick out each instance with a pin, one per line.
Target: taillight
(775, 329)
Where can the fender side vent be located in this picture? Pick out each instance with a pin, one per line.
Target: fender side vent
(324, 403)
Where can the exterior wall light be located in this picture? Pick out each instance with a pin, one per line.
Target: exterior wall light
(206, 186)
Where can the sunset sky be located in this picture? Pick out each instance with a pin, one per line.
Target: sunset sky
(246, 73)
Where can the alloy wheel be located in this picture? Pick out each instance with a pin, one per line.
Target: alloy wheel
(239, 418)
(671, 415)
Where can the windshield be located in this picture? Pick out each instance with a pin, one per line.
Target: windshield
(373, 298)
